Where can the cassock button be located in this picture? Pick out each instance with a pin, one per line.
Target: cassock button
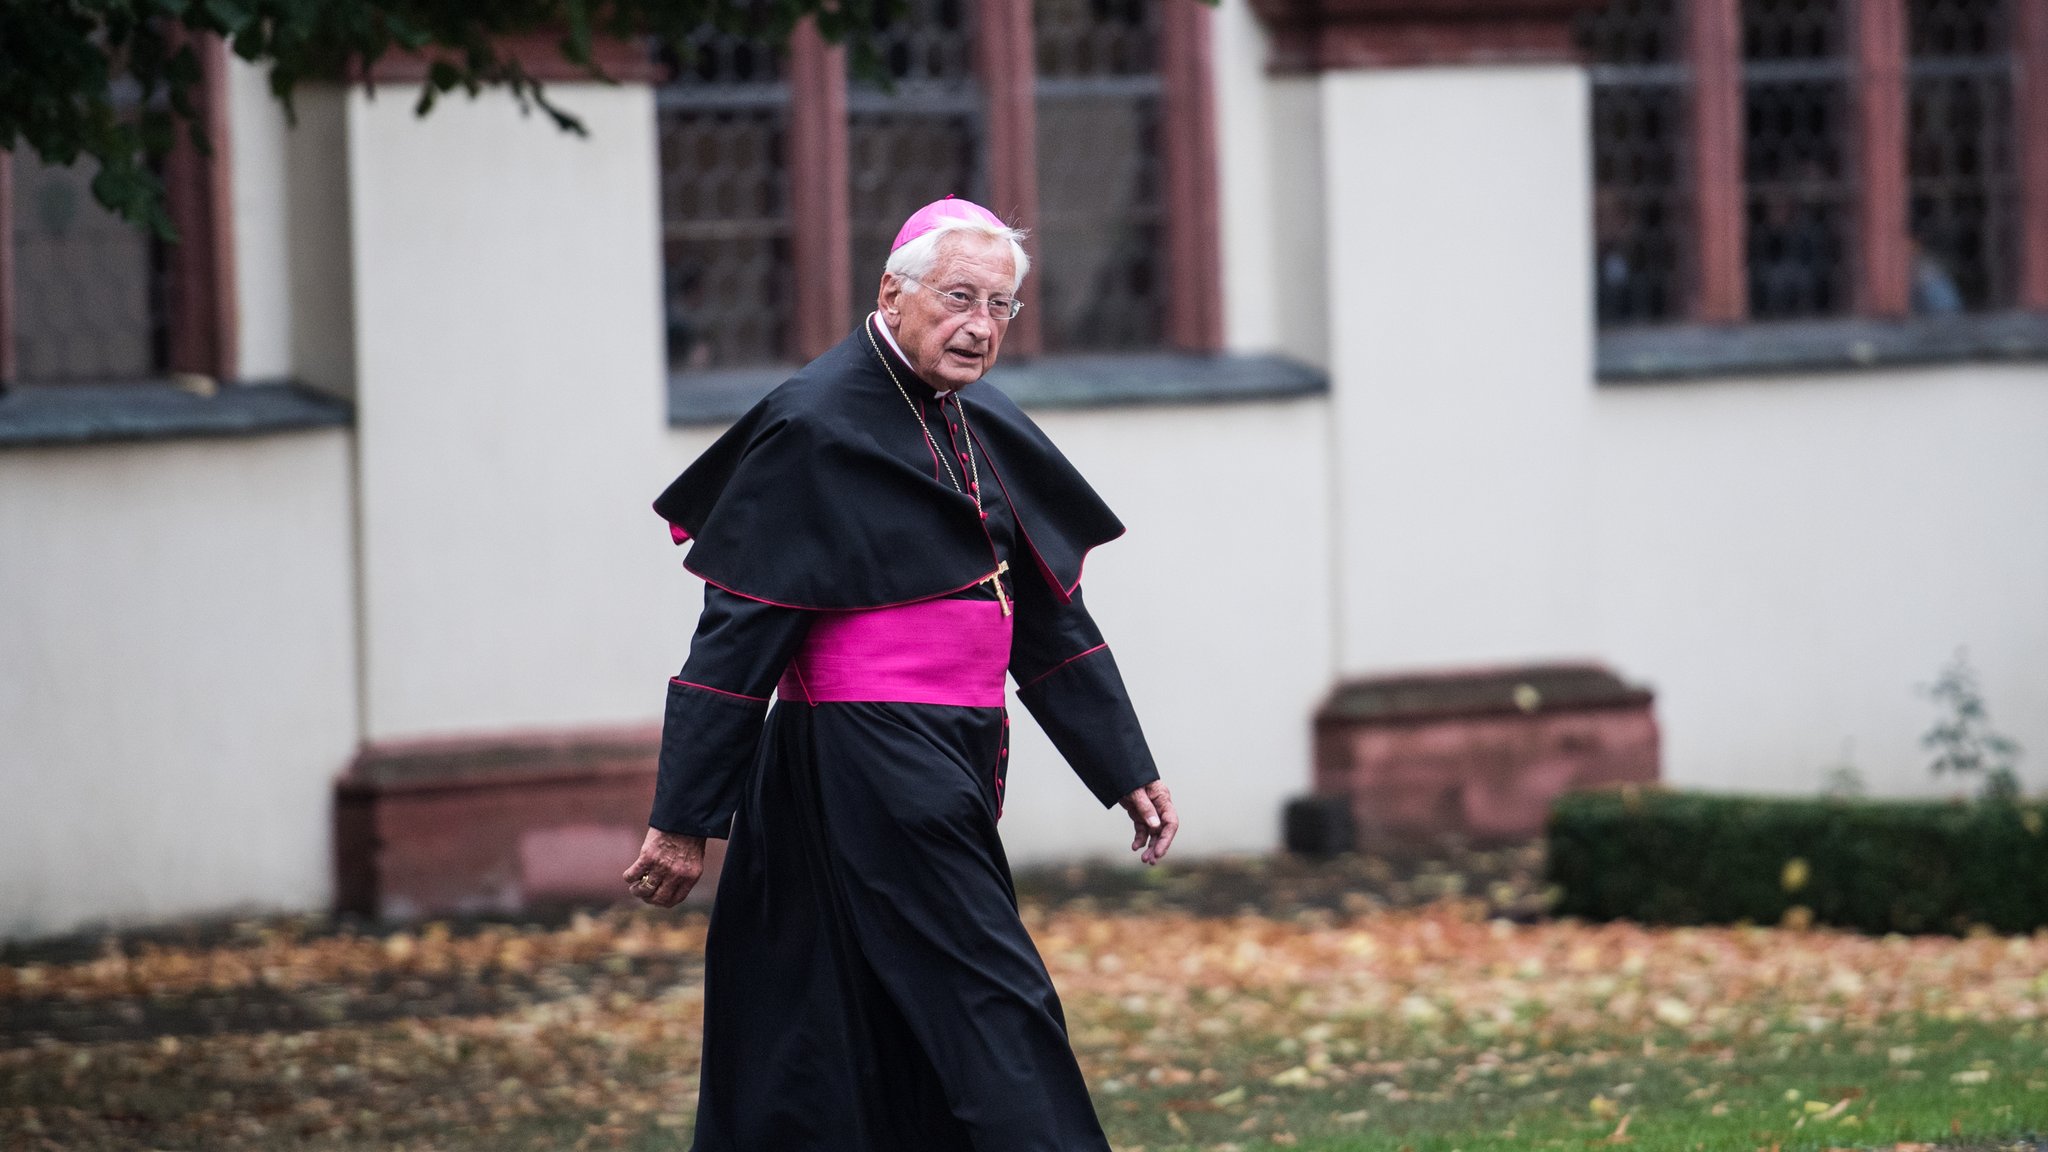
(984, 515)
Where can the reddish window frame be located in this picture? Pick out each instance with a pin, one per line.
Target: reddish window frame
(1883, 243)
(821, 243)
(201, 324)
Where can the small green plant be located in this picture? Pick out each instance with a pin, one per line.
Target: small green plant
(1843, 780)
(1962, 739)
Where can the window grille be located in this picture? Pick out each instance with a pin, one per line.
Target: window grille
(726, 273)
(1636, 55)
(1099, 236)
(1799, 189)
(916, 138)
(1963, 182)
(785, 178)
(89, 301)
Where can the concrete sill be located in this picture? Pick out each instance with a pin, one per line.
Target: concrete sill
(157, 410)
(701, 398)
(1682, 352)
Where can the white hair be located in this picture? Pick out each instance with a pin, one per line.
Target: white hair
(916, 258)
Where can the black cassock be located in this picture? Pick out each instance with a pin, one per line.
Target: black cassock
(869, 986)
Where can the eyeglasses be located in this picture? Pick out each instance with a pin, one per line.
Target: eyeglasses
(999, 307)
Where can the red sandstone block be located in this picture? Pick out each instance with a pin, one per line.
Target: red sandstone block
(1478, 755)
(496, 825)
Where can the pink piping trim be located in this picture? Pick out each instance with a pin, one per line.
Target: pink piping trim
(953, 442)
(812, 608)
(1002, 756)
(1066, 594)
(796, 669)
(720, 691)
(1061, 664)
(676, 532)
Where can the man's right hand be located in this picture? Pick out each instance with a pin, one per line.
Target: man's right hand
(667, 869)
(1154, 822)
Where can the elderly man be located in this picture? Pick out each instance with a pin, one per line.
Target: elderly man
(883, 538)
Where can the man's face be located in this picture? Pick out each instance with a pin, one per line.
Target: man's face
(951, 349)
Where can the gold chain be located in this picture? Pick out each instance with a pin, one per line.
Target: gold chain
(995, 579)
(974, 470)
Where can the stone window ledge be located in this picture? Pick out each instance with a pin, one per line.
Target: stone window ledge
(1646, 355)
(709, 398)
(160, 410)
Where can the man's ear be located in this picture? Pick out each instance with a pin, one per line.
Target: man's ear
(888, 300)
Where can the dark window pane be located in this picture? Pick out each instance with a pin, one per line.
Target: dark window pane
(1095, 38)
(1099, 243)
(1640, 208)
(1795, 157)
(88, 294)
(1964, 186)
(914, 138)
(1793, 30)
(726, 271)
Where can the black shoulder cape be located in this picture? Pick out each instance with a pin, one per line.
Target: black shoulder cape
(822, 496)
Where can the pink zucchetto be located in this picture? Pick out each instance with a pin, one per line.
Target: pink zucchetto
(938, 212)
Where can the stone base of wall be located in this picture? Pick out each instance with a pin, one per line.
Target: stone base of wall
(496, 825)
(1478, 756)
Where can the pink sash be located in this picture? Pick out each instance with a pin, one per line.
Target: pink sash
(929, 652)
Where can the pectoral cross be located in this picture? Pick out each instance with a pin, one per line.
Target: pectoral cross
(995, 580)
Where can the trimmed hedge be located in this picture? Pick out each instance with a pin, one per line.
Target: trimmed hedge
(1878, 866)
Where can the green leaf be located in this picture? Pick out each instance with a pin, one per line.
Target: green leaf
(444, 75)
(576, 44)
(63, 59)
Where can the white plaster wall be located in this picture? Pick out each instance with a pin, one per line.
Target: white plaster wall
(1244, 176)
(1216, 605)
(1296, 274)
(1786, 560)
(1270, 183)
(511, 429)
(1460, 340)
(320, 251)
(293, 277)
(258, 149)
(177, 677)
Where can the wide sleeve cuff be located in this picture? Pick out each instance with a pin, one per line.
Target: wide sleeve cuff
(1082, 705)
(708, 742)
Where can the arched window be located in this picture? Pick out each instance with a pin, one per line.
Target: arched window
(1808, 159)
(1100, 212)
(87, 297)
(785, 176)
(723, 122)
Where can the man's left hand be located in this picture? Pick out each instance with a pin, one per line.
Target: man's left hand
(1152, 819)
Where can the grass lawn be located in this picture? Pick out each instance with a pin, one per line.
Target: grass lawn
(1961, 1082)
(1426, 1029)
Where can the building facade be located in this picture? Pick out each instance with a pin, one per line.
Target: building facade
(1707, 339)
